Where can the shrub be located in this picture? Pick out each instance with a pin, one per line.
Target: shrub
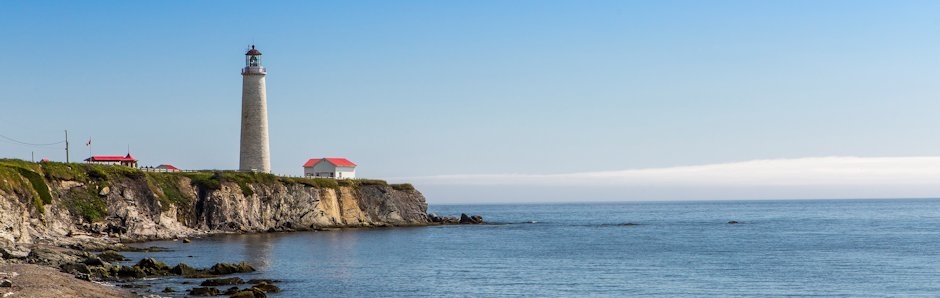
(169, 189)
(86, 204)
(63, 171)
(39, 185)
(97, 174)
(403, 187)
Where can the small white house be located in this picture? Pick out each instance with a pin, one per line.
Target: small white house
(330, 167)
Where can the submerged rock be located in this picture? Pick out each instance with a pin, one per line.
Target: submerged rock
(204, 292)
(267, 288)
(231, 291)
(222, 282)
(249, 293)
(226, 268)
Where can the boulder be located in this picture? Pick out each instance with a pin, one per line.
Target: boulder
(261, 281)
(267, 288)
(94, 261)
(204, 291)
(222, 282)
(127, 271)
(226, 268)
(104, 191)
(250, 293)
(112, 256)
(184, 270)
(74, 268)
(733, 222)
(169, 290)
(6, 283)
(151, 263)
(466, 219)
(231, 291)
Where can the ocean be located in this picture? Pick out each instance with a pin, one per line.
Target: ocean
(667, 249)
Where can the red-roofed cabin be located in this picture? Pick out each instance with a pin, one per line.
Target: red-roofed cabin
(167, 168)
(128, 160)
(330, 167)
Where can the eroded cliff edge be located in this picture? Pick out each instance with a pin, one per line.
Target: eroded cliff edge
(57, 203)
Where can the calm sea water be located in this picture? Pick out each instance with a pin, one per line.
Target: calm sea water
(779, 248)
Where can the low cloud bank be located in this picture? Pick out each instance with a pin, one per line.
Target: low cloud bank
(802, 178)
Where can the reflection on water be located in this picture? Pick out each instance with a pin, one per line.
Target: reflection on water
(675, 249)
(258, 250)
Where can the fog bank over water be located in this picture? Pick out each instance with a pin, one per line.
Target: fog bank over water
(802, 178)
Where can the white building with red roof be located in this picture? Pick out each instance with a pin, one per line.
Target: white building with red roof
(330, 167)
(127, 160)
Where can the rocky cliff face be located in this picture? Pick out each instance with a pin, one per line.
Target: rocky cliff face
(58, 203)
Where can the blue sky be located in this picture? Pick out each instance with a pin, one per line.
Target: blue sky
(413, 90)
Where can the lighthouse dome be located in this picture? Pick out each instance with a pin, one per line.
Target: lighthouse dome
(253, 51)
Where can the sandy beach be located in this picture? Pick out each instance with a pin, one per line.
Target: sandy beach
(38, 281)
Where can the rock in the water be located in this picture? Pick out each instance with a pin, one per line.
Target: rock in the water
(183, 270)
(261, 281)
(112, 256)
(466, 219)
(151, 263)
(6, 283)
(249, 293)
(204, 292)
(433, 217)
(187, 240)
(231, 291)
(267, 288)
(169, 290)
(127, 271)
(222, 282)
(733, 222)
(226, 268)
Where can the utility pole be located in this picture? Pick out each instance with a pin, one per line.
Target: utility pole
(66, 146)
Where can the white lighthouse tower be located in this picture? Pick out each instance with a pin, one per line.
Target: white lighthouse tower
(255, 154)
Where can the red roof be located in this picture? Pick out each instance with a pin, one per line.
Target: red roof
(336, 161)
(111, 158)
(252, 51)
(168, 167)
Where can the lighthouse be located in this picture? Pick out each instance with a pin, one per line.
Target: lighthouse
(255, 154)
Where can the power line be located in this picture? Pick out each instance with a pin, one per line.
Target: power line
(29, 144)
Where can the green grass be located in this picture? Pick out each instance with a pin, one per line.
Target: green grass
(85, 203)
(371, 182)
(167, 188)
(403, 187)
(40, 186)
(65, 171)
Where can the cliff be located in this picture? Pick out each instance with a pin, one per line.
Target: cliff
(58, 203)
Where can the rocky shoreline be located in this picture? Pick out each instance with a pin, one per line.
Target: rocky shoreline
(97, 265)
(77, 217)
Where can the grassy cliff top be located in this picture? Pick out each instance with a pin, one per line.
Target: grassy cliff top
(211, 179)
(30, 182)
